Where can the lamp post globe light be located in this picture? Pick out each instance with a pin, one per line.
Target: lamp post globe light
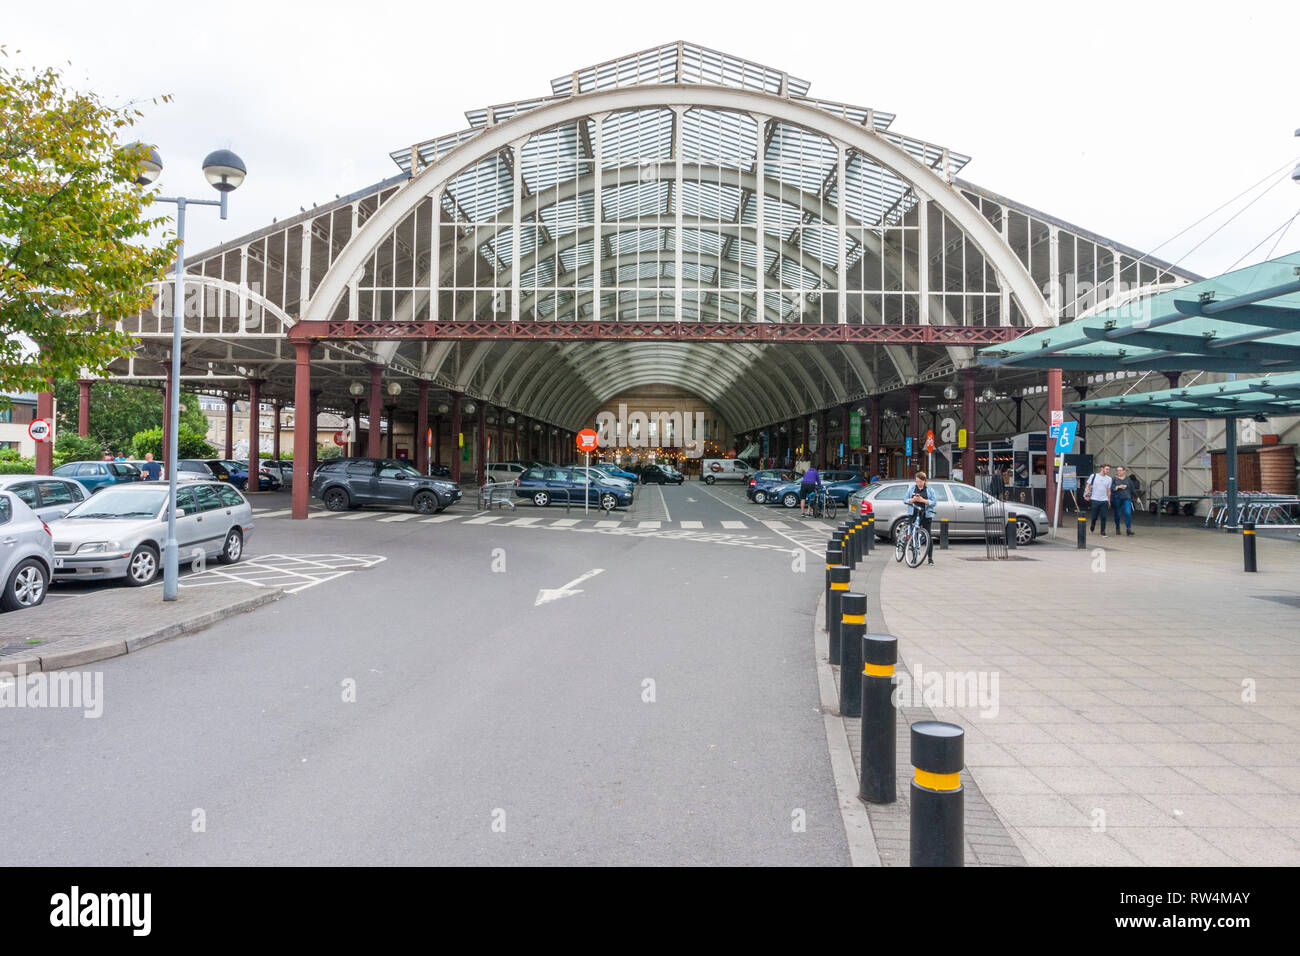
(225, 172)
(356, 390)
(394, 389)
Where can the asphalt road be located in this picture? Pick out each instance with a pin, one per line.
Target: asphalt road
(485, 729)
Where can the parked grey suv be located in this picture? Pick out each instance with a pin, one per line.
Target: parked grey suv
(345, 483)
(26, 554)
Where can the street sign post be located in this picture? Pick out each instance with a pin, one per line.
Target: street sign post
(340, 439)
(586, 442)
(1064, 432)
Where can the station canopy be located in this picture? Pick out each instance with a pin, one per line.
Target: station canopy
(1244, 321)
(1251, 397)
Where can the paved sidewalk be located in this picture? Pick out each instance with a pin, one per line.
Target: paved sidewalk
(1148, 707)
(73, 631)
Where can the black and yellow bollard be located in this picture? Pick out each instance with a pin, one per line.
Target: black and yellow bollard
(1011, 530)
(1248, 545)
(839, 586)
(869, 539)
(1082, 523)
(878, 779)
(859, 539)
(943, 534)
(834, 556)
(850, 552)
(853, 608)
(938, 828)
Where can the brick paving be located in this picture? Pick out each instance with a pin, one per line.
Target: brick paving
(1148, 695)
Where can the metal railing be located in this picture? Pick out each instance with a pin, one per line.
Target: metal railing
(995, 529)
(1255, 506)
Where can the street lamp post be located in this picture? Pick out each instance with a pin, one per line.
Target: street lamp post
(224, 171)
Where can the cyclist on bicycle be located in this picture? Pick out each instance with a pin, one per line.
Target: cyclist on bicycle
(923, 501)
(808, 486)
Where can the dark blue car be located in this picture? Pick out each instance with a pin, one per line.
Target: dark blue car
(544, 485)
(761, 485)
(838, 484)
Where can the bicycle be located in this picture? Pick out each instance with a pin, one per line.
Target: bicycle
(913, 541)
(821, 504)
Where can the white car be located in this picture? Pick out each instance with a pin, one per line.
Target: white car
(504, 471)
(725, 469)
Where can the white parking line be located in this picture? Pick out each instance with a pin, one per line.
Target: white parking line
(487, 519)
(329, 514)
(274, 514)
(664, 501)
(522, 522)
(649, 525)
(357, 515)
(776, 525)
(608, 524)
(692, 524)
(563, 523)
(737, 525)
(399, 517)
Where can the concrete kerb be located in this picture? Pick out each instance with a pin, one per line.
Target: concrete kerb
(106, 650)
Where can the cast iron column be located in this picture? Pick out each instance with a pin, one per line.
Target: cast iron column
(313, 416)
(913, 427)
(968, 416)
(875, 455)
(230, 426)
(391, 410)
(480, 445)
(254, 434)
(422, 427)
(83, 406)
(1173, 439)
(1054, 404)
(275, 432)
(304, 438)
(455, 436)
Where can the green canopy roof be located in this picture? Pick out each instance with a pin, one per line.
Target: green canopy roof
(1243, 321)
(1247, 397)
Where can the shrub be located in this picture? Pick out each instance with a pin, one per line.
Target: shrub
(193, 443)
(71, 447)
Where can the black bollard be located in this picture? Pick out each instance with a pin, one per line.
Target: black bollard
(853, 607)
(878, 781)
(834, 558)
(938, 829)
(1248, 545)
(869, 533)
(859, 544)
(943, 534)
(1082, 523)
(834, 606)
(1011, 530)
(850, 552)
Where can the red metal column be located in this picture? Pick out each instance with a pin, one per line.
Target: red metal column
(968, 413)
(166, 417)
(422, 427)
(275, 432)
(1172, 484)
(914, 427)
(480, 445)
(230, 426)
(45, 449)
(83, 406)
(875, 455)
(1054, 404)
(313, 416)
(455, 436)
(304, 432)
(254, 435)
(375, 412)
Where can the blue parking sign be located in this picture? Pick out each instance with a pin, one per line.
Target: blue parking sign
(1065, 440)
(908, 453)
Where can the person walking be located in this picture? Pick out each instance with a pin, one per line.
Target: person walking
(1098, 496)
(1122, 493)
(151, 470)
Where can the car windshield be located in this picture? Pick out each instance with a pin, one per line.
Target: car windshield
(129, 502)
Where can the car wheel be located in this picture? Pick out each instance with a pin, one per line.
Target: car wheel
(234, 547)
(1025, 532)
(425, 502)
(608, 502)
(26, 587)
(541, 499)
(896, 530)
(760, 497)
(790, 499)
(142, 566)
(336, 499)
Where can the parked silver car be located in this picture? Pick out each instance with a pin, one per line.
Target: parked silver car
(50, 497)
(120, 532)
(961, 504)
(26, 554)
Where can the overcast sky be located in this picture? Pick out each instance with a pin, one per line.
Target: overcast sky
(1131, 119)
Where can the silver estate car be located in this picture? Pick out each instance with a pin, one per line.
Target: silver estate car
(120, 532)
(26, 554)
(961, 504)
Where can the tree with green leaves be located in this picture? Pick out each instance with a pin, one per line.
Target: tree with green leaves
(75, 254)
(193, 443)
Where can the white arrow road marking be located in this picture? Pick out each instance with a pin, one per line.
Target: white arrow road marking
(546, 595)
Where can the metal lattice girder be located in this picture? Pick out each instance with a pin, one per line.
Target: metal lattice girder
(943, 335)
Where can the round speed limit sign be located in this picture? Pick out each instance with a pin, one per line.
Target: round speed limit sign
(39, 430)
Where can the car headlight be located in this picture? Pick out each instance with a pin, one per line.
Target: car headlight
(99, 547)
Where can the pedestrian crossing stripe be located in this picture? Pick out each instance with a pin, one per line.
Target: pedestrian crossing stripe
(692, 524)
(398, 517)
(733, 524)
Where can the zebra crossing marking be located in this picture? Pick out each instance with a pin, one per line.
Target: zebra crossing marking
(692, 524)
(734, 525)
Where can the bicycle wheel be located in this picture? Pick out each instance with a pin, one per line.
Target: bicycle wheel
(900, 545)
(917, 547)
(830, 509)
